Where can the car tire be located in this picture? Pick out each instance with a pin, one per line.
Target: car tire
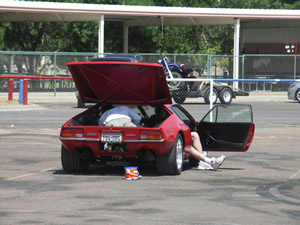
(172, 162)
(193, 162)
(206, 96)
(179, 97)
(80, 103)
(297, 95)
(225, 96)
(72, 162)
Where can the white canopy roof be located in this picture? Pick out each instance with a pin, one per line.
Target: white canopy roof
(133, 15)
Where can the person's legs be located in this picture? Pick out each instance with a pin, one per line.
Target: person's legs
(196, 151)
(196, 142)
(198, 148)
(196, 154)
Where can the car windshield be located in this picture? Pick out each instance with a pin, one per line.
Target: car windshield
(143, 111)
(184, 116)
(151, 116)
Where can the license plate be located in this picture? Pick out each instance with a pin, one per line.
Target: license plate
(111, 137)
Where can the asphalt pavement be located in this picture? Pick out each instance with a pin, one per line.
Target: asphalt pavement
(260, 186)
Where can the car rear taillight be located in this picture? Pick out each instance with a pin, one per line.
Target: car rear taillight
(72, 133)
(249, 137)
(150, 135)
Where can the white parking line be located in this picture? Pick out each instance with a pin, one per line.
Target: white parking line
(30, 174)
(274, 137)
(291, 177)
(52, 168)
(26, 175)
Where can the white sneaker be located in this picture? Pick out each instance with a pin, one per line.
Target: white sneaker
(217, 162)
(204, 166)
(221, 159)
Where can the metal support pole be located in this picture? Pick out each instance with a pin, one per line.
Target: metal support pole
(12, 62)
(236, 52)
(101, 36)
(25, 92)
(295, 66)
(21, 91)
(208, 66)
(54, 82)
(125, 38)
(211, 93)
(10, 89)
(243, 72)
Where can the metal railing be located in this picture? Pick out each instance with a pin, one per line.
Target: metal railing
(44, 107)
(208, 66)
(265, 77)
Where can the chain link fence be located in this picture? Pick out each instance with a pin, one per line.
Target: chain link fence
(262, 78)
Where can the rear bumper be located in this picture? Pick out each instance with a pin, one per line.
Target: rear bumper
(98, 140)
(159, 147)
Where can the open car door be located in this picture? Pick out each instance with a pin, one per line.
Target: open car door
(227, 128)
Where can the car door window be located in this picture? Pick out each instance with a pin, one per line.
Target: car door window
(229, 114)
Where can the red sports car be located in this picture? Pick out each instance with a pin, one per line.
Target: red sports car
(161, 140)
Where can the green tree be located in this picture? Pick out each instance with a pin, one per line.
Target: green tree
(28, 36)
(83, 36)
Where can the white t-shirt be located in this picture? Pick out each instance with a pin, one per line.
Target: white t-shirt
(119, 112)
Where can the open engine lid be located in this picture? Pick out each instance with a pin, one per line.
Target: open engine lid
(125, 83)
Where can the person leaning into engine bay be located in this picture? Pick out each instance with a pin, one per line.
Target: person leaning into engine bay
(118, 116)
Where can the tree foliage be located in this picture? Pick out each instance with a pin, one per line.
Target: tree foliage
(83, 36)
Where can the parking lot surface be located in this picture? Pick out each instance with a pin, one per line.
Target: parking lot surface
(261, 186)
